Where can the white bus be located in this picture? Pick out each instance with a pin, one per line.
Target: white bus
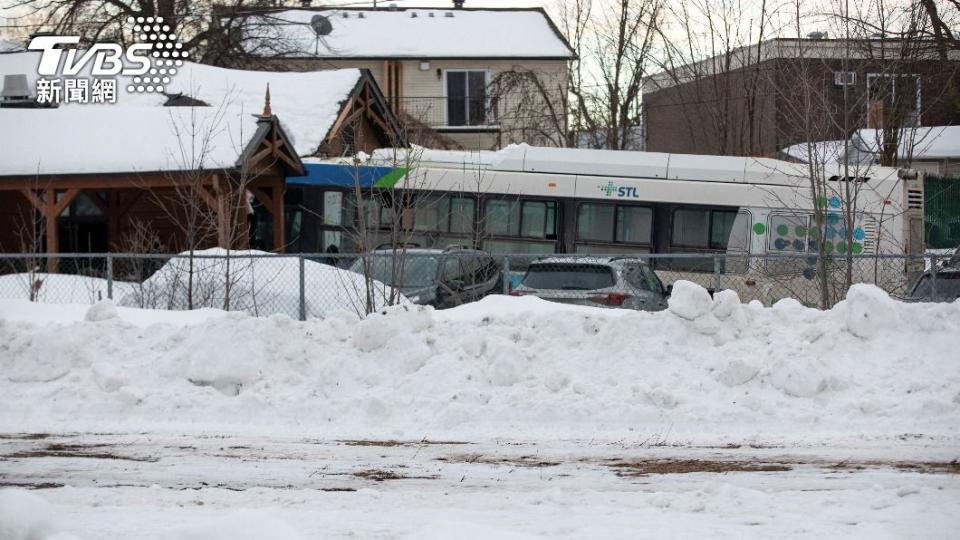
(530, 200)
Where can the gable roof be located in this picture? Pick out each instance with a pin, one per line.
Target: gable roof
(138, 133)
(406, 33)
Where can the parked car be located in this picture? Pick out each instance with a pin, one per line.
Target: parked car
(612, 282)
(441, 278)
(946, 282)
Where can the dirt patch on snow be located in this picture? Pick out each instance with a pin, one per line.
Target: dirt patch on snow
(393, 443)
(686, 466)
(380, 475)
(90, 451)
(519, 461)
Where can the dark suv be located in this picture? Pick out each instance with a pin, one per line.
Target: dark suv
(440, 278)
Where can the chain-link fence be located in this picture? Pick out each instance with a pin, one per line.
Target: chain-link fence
(311, 285)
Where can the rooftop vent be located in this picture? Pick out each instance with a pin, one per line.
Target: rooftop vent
(457, 4)
(16, 92)
(413, 14)
(346, 15)
(360, 15)
(306, 3)
(15, 86)
(817, 35)
(430, 14)
(448, 14)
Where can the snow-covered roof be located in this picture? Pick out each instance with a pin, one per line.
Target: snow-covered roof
(925, 143)
(916, 144)
(408, 33)
(139, 134)
(7, 46)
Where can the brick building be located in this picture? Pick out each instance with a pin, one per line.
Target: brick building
(761, 99)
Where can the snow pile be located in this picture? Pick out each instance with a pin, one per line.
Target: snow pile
(25, 516)
(705, 369)
(255, 282)
(58, 288)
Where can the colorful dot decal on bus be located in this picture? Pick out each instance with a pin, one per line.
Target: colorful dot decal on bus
(783, 230)
(857, 248)
(859, 234)
(759, 228)
(834, 202)
(821, 202)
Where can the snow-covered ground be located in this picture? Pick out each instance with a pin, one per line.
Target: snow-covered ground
(506, 418)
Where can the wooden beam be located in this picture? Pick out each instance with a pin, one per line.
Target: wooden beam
(279, 234)
(265, 199)
(50, 222)
(68, 198)
(34, 200)
(120, 181)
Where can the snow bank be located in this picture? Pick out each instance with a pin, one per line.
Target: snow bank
(705, 369)
(58, 288)
(26, 516)
(255, 282)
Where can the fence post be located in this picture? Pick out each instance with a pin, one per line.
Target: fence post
(716, 273)
(506, 275)
(110, 276)
(933, 278)
(303, 289)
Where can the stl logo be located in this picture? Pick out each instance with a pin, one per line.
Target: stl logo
(608, 189)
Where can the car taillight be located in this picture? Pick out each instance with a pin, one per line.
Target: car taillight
(612, 299)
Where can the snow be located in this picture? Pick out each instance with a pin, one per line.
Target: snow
(58, 288)
(98, 137)
(509, 418)
(260, 283)
(25, 516)
(22, 310)
(417, 33)
(934, 142)
(705, 369)
(7, 46)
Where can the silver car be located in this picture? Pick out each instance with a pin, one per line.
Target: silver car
(611, 282)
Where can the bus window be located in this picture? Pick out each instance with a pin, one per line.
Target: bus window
(634, 224)
(503, 218)
(706, 230)
(538, 219)
(696, 229)
(462, 215)
(595, 222)
(613, 224)
(431, 214)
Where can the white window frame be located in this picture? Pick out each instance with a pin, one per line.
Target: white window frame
(443, 82)
(870, 78)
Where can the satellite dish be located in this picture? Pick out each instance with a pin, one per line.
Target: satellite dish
(321, 25)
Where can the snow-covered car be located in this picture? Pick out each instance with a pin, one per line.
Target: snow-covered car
(259, 283)
(611, 282)
(441, 278)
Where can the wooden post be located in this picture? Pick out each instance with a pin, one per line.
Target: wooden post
(50, 222)
(279, 234)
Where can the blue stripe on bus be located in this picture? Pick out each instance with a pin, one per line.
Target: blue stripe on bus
(339, 175)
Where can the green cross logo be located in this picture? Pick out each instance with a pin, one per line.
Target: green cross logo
(608, 189)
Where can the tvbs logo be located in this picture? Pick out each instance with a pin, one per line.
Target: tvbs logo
(150, 64)
(107, 58)
(610, 190)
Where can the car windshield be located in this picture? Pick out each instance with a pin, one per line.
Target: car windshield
(948, 287)
(404, 271)
(569, 277)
